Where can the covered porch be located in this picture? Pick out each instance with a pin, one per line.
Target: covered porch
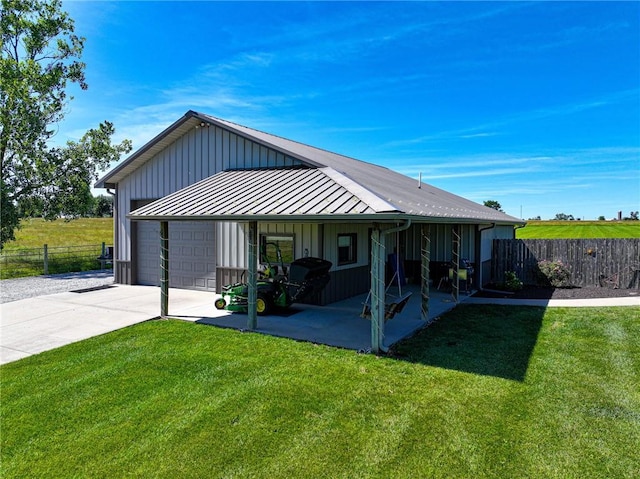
(313, 196)
(338, 324)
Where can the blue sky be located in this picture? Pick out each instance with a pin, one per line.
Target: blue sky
(535, 105)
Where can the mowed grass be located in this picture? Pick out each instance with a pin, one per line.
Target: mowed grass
(35, 232)
(579, 229)
(177, 399)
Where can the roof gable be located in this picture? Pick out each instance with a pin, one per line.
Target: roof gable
(378, 187)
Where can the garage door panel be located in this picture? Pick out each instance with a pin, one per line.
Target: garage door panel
(192, 263)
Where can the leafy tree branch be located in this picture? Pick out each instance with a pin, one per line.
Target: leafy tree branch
(40, 58)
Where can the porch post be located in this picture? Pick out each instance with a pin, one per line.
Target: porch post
(425, 258)
(252, 233)
(456, 243)
(164, 269)
(377, 290)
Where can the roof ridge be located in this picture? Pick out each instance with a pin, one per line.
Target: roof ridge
(379, 204)
(222, 120)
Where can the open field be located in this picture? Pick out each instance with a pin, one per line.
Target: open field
(72, 246)
(579, 229)
(36, 232)
(486, 391)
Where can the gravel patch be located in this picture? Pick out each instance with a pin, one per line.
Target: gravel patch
(22, 288)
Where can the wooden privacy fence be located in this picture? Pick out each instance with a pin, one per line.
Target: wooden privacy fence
(592, 262)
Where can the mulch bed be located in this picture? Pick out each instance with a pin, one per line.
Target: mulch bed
(538, 292)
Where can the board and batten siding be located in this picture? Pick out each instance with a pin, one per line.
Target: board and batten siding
(330, 247)
(198, 154)
(486, 248)
(441, 241)
(231, 245)
(306, 236)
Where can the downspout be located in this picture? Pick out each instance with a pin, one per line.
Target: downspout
(116, 248)
(377, 319)
(397, 229)
(493, 225)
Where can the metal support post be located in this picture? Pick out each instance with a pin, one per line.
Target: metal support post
(456, 245)
(164, 269)
(377, 290)
(425, 258)
(252, 246)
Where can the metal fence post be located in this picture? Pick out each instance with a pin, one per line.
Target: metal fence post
(46, 259)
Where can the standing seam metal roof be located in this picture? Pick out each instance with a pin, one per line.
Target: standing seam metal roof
(282, 192)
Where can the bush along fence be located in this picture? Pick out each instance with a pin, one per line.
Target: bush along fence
(613, 263)
(52, 260)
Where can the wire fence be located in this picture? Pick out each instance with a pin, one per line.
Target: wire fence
(53, 260)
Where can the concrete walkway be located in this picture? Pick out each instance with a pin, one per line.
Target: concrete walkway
(34, 325)
(561, 303)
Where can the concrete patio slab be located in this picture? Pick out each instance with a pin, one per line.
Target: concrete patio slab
(338, 324)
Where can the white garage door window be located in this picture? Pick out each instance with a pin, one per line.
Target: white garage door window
(192, 263)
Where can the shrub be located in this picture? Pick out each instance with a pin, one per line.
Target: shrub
(554, 273)
(511, 282)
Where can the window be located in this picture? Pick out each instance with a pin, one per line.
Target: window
(347, 248)
(271, 243)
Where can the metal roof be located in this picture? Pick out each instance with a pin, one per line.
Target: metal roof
(366, 181)
(397, 189)
(300, 192)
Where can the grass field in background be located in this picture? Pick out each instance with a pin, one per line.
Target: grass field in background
(485, 392)
(72, 246)
(36, 232)
(579, 229)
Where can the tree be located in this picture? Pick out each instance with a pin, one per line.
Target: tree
(103, 206)
(563, 217)
(40, 57)
(601, 218)
(493, 204)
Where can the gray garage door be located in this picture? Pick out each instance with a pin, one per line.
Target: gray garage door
(192, 262)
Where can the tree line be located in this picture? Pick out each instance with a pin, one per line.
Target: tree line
(493, 204)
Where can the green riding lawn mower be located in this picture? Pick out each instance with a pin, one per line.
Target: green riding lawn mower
(277, 287)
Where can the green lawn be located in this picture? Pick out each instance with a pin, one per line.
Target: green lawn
(579, 229)
(36, 232)
(486, 391)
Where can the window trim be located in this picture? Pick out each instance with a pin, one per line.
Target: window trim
(352, 249)
(264, 238)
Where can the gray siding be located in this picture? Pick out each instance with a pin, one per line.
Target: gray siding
(230, 246)
(330, 249)
(305, 236)
(198, 154)
(344, 284)
(486, 248)
(440, 242)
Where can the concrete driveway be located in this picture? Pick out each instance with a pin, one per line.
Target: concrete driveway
(30, 326)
